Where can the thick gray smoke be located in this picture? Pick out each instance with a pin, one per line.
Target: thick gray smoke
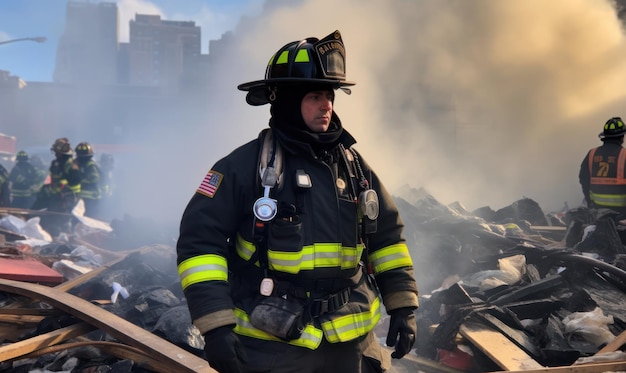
(482, 102)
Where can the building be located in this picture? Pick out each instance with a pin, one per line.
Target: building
(160, 52)
(88, 50)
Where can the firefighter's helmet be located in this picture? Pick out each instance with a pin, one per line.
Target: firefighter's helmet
(613, 127)
(21, 156)
(84, 150)
(308, 61)
(62, 146)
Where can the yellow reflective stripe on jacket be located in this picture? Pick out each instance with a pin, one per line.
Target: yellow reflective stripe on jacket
(74, 188)
(609, 200)
(209, 267)
(349, 327)
(311, 337)
(321, 255)
(245, 249)
(391, 257)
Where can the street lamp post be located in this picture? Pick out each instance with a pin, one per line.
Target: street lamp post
(38, 39)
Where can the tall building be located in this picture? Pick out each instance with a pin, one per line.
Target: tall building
(160, 51)
(87, 51)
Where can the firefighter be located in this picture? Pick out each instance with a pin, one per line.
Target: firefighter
(90, 179)
(5, 192)
(106, 165)
(602, 171)
(60, 196)
(291, 248)
(25, 180)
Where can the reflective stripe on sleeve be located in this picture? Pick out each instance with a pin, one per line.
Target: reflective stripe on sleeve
(209, 267)
(391, 257)
(349, 327)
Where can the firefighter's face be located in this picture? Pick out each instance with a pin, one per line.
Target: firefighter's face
(317, 107)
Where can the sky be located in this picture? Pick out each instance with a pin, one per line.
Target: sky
(481, 102)
(34, 61)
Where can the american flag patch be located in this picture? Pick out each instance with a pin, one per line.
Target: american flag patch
(211, 182)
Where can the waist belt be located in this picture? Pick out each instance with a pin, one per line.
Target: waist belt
(329, 304)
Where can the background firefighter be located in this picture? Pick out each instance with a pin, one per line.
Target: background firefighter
(61, 194)
(26, 180)
(90, 191)
(271, 250)
(602, 171)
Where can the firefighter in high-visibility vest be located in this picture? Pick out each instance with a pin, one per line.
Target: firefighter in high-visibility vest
(291, 248)
(25, 180)
(61, 194)
(602, 173)
(90, 191)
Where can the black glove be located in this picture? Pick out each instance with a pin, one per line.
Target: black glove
(224, 351)
(403, 324)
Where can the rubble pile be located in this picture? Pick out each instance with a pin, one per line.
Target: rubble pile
(556, 299)
(546, 287)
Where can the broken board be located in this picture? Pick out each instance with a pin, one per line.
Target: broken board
(124, 331)
(29, 271)
(498, 347)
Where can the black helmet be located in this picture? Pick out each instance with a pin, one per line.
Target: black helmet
(308, 61)
(84, 150)
(613, 127)
(62, 146)
(21, 156)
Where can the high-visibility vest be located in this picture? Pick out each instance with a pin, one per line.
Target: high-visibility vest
(605, 188)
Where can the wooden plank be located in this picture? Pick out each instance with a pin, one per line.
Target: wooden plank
(119, 350)
(28, 270)
(17, 349)
(614, 345)
(117, 327)
(67, 285)
(498, 347)
(412, 363)
(600, 367)
(21, 319)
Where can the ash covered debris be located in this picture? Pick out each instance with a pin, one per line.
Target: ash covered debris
(557, 298)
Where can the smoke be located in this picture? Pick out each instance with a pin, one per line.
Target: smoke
(481, 102)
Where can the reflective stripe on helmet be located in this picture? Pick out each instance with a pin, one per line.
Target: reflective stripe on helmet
(310, 338)
(302, 55)
(208, 267)
(390, 257)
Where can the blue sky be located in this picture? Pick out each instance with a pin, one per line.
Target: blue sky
(32, 18)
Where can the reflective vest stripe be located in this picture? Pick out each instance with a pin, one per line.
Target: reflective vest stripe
(349, 327)
(391, 257)
(209, 267)
(311, 337)
(609, 200)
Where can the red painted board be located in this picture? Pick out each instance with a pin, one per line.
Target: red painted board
(28, 271)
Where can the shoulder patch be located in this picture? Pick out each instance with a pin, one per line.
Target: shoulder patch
(209, 185)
